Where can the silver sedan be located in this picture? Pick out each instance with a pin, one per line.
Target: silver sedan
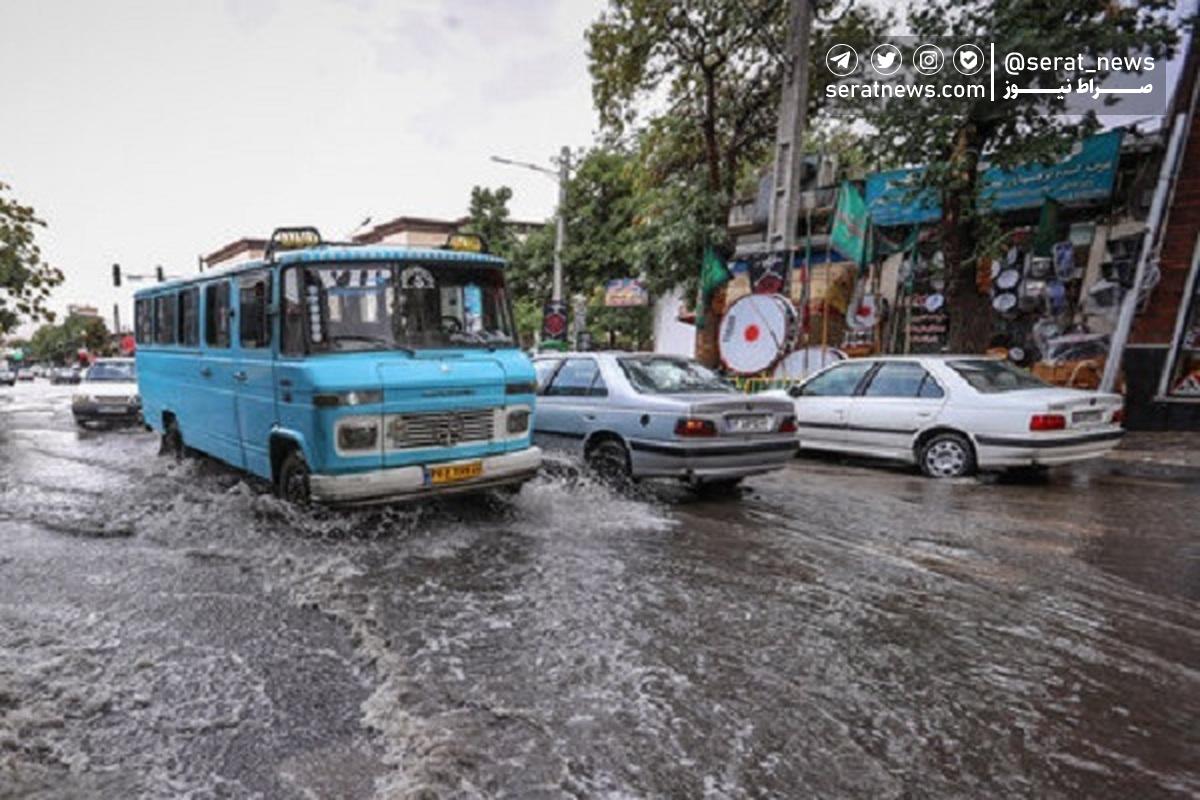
(656, 416)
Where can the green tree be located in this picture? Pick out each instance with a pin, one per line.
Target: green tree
(953, 136)
(25, 280)
(60, 343)
(488, 217)
(603, 235)
(694, 89)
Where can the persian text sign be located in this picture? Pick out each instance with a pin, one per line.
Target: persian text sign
(1086, 175)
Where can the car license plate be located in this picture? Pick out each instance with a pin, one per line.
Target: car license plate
(1087, 416)
(455, 473)
(111, 409)
(758, 423)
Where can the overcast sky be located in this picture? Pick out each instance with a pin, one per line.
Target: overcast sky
(150, 132)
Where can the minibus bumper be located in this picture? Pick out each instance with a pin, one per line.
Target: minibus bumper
(412, 482)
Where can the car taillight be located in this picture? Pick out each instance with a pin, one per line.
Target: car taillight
(788, 425)
(695, 427)
(1047, 422)
(1118, 417)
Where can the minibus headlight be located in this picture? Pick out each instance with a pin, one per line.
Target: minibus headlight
(518, 420)
(357, 398)
(357, 435)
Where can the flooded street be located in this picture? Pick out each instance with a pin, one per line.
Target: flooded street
(838, 630)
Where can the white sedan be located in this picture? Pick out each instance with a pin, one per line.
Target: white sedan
(952, 415)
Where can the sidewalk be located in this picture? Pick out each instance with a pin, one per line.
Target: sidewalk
(1176, 449)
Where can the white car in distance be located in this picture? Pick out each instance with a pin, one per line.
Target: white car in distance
(952, 415)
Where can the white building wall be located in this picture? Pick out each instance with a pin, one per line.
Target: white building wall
(672, 337)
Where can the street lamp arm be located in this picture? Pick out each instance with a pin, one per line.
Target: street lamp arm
(526, 165)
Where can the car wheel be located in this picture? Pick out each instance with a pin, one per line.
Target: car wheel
(292, 483)
(947, 455)
(171, 443)
(610, 461)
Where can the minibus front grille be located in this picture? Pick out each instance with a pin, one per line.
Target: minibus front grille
(439, 429)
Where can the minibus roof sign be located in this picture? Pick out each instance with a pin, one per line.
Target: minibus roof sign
(297, 238)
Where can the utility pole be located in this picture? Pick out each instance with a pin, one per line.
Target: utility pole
(562, 175)
(789, 137)
(560, 233)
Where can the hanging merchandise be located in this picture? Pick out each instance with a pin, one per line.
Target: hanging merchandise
(866, 313)
(1064, 261)
(756, 332)
(1039, 268)
(1057, 294)
(934, 302)
(1007, 280)
(768, 274)
(1005, 302)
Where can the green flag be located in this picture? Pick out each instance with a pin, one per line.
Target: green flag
(1047, 229)
(849, 234)
(713, 275)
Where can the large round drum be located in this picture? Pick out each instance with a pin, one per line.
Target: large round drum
(756, 332)
(804, 362)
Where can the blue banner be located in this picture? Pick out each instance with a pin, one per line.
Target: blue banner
(1085, 176)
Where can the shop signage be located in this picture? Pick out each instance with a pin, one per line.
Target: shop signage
(625, 292)
(1085, 176)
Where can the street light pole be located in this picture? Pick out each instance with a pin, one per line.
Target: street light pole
(560, 234)
(562, 175)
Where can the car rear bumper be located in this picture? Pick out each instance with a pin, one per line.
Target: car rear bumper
(1013, 451)
(399, 483)
(708, 461)
(106, 412)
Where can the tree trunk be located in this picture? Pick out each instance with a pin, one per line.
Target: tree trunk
(970, 313)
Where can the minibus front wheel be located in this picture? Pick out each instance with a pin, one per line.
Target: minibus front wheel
(292, 482)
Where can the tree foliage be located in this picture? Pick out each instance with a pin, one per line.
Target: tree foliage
(953, 136)
(25, 280)
(488, 216)
(59, 343)
(602, 213)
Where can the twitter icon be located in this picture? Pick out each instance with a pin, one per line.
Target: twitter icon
(886, 59)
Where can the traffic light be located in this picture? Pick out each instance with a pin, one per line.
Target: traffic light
(116, 274)
(158, 273)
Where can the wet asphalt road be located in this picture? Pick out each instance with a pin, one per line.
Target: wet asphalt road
(839, 630)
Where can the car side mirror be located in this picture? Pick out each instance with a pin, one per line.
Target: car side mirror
(796, 391)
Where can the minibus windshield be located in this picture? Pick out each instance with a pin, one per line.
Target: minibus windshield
(409, 306)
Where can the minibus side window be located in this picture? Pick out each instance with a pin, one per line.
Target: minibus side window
(254, 325)
(164, 316)
(144, 321)
(189, 318)
(294, 315)
(216, 314)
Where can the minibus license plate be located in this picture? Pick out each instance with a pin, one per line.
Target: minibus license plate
(455, 473)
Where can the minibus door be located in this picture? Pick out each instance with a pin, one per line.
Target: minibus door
(254, 372)
(216, 429)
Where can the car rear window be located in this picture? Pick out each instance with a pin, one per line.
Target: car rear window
(990, 376)
(671, 376)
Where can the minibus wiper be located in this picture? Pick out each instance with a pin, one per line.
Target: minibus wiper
(387, 343)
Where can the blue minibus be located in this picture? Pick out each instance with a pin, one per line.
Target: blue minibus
(343, 374)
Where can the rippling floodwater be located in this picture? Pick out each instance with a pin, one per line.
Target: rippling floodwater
(838, 631)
